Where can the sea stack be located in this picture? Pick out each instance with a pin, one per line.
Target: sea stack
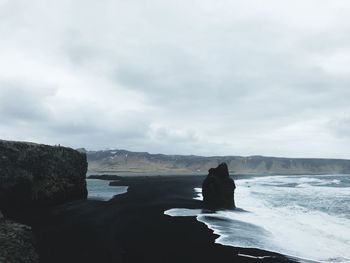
(218, 188)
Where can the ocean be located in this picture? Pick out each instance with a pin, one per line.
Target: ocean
(100, 190)
(306, 217)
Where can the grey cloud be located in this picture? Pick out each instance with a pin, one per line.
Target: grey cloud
(208, 77)
(19, 102)
(340, 127)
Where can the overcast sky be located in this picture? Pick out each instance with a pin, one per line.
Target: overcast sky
(248, 77)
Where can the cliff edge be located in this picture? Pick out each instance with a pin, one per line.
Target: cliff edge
(37, 174)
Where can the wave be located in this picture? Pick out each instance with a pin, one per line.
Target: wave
(309, 220)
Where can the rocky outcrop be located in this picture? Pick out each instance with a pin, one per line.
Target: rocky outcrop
(107, 177)
(218, 188)
(36, 174)
(17, 243)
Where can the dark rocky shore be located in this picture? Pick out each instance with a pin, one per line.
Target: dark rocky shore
(47, 217)
(34, 177)
(132, 227)
(17, 243)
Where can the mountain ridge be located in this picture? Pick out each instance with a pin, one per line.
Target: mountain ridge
(124, 161)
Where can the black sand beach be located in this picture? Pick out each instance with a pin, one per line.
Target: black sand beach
(132, 227)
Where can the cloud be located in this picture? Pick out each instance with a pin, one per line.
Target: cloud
(340, 127)
(21, 103)
(188, 77)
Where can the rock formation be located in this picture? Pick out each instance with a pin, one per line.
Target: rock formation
(218, 188)
(36, 174)
(17, 243)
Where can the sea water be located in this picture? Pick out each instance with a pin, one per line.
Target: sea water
(307, 217)
(102, 191)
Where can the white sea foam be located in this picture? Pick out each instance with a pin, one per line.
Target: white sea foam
(199, 193)
(100, 190)
(183, 212)
(305, 217)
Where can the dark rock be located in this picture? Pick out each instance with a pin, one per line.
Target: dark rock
(107, 177)
(37, 174)
(17, 243)
(218, 188)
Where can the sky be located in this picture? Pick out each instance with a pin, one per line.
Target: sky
(204, 77)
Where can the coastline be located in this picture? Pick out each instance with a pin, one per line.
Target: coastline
(132, 227)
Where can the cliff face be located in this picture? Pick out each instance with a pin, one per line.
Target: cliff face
(36, 174)
(126, 161)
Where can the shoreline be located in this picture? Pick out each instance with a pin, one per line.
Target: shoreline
(132, 227)
(189, 173)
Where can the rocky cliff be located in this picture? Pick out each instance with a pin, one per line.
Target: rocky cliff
(121, 161)
(37, 174)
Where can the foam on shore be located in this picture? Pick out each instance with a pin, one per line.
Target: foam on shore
(304, 217)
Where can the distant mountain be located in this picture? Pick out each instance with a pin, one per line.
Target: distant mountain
(122, 161)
